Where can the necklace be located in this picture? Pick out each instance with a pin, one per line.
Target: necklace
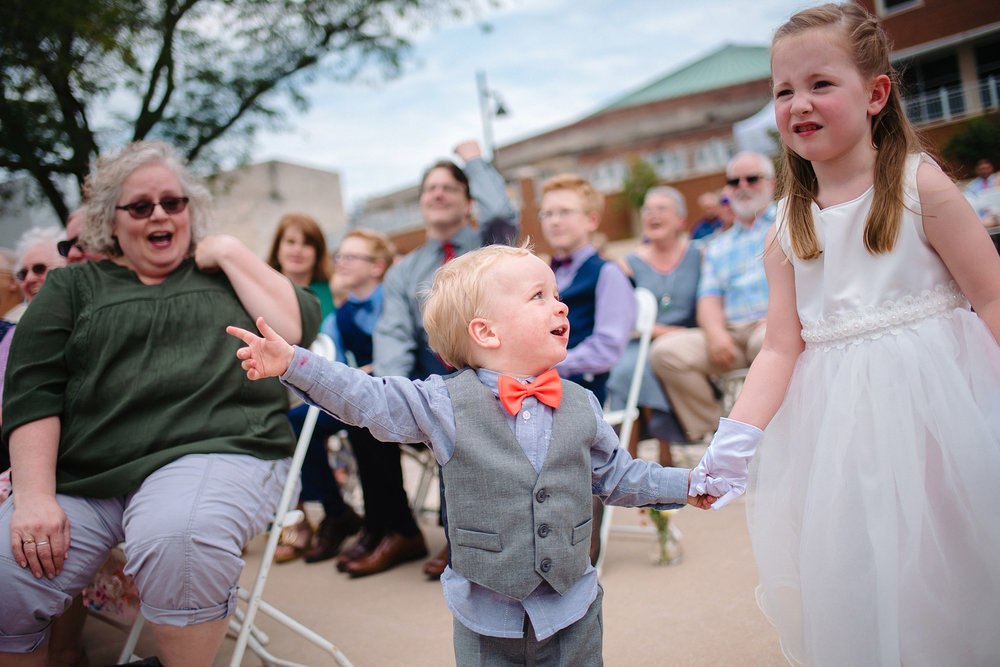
(670, 275)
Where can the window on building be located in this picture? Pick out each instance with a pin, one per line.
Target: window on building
(987, 56)
(608, 176)
(669, 163)
(712, 155)
(932, 88)
(887, 7)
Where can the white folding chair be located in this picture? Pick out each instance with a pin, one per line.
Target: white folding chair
(428, 471)
(248, 635)
(645, 318)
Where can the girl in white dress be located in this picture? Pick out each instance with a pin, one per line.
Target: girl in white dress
(873, 503)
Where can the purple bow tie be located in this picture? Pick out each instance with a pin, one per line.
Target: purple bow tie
(557, 263)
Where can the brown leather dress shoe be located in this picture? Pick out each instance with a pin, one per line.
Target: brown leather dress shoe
(364, 545)
(393, 550)
(434, 568)
(331, 534)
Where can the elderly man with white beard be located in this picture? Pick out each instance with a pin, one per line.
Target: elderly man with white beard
(732, 302)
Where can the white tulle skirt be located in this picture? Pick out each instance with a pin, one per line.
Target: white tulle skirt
(873, 503)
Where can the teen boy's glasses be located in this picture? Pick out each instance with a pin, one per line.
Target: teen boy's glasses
(37, 269)
(733, 182)
(345, 257)
(65, 246)
(558, 214)
(141, 210)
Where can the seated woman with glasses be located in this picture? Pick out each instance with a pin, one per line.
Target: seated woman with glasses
(36, 254)
(127, 423)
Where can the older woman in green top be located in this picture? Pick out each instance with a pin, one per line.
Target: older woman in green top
(127, 423)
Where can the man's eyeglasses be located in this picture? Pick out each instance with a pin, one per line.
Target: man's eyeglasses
(65, 246)
(37, 269)
(344, 257)
(141, 210)
(733, 182)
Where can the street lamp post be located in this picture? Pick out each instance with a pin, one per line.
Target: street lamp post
(490, 106)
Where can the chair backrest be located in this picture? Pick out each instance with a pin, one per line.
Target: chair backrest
(645, 319)
(324, 347)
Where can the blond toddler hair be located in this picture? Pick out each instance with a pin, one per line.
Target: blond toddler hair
(461, 292)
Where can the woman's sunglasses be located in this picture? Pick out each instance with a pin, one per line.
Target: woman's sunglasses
(65, 246)
(141, 210)
(37, 269)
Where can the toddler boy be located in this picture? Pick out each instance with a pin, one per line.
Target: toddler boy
(520, 451)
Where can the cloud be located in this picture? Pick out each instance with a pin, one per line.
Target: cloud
(552, 62)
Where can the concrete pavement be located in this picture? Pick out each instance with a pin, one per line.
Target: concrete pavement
(700, 612)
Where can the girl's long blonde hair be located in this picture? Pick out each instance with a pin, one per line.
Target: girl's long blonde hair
(892, 135)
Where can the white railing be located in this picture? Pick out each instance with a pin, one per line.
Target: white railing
(950, 102)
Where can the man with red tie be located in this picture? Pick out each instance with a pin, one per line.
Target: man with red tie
(520, 451)
(400, 342)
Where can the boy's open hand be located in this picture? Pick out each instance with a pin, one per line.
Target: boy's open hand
(265, 357)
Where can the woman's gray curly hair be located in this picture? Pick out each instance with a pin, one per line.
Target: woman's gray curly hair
(103, 187)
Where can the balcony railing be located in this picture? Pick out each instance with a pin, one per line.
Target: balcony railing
(950, 102)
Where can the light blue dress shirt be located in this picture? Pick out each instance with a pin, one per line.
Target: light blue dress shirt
(396, 409)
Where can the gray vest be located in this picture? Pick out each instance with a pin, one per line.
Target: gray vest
(510, 528)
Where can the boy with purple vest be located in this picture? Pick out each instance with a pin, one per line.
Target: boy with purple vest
(520, 450)
(599, 296)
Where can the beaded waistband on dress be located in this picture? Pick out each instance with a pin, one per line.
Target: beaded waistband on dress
(888, 317)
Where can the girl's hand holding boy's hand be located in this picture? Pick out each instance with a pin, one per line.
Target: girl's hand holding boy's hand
(701, 502)
(724, 469)
(269, 356)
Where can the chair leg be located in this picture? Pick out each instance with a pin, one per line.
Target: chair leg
(128, 651)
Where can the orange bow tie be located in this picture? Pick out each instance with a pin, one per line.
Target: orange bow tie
(547, 388)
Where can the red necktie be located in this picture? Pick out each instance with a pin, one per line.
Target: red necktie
(547, 388)
(448, 249)
(448, 252)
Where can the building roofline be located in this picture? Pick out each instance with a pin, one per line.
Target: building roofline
(946, 42)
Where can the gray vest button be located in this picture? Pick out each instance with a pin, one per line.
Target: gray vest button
(541, 495)
(544, 530)
(545, 565)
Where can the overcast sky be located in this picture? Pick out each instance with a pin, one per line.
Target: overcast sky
(551, 61)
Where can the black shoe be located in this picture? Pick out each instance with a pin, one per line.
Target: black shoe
(331, 534)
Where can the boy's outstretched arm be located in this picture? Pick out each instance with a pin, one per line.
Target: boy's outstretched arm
(264, 357)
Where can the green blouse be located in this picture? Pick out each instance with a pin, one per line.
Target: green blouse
(322, 290)
(141, 375)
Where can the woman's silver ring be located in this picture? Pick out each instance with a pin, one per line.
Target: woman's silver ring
(27, 540)
(38, 544)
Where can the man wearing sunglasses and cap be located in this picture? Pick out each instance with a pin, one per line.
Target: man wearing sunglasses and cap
(732, 302)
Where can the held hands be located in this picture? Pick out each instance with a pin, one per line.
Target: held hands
(702, 502)
(724, 469)
(265, 357)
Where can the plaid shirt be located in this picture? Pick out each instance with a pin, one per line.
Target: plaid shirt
(733, 268)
